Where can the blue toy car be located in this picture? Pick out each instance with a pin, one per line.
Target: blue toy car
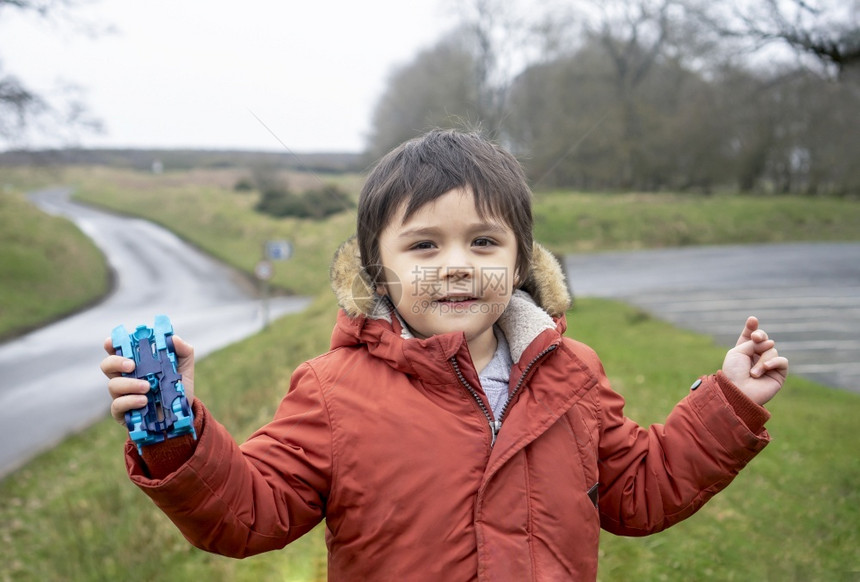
(167, 413)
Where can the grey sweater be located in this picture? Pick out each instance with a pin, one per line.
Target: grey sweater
(497, 374)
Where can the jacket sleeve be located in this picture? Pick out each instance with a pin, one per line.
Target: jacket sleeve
(653, 478)
(242, 500)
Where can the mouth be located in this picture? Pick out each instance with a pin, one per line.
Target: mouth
(456, 299)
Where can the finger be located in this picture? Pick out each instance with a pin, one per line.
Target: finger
(761, 347)
(113, 366)
(759, 335)
(183, 349)
(122, 386)
(761, 365)
(749, 327)
(109, 346)
(778, 364)
(124, 404)
(185, 359)
(753, 349)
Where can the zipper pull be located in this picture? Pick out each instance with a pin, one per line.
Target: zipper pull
(495, 426)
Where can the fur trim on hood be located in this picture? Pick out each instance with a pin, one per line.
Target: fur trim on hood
(534, 307)
(546, 283)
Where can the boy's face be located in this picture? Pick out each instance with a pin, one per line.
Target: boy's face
(447, 269)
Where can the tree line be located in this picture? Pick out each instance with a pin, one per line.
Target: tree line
(647, 94)
(691, 95)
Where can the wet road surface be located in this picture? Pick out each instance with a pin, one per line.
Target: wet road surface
(806, 295)
(50, 384)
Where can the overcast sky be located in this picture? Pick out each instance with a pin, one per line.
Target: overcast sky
(194, 73)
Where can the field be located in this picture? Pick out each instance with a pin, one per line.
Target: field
(48, 268)
(793, 514)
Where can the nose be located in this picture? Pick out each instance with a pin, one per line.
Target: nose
(458, 265)
(457, 259)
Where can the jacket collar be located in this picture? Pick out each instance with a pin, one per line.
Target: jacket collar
(538, 305)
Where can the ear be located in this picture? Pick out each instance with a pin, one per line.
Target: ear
(380, 289)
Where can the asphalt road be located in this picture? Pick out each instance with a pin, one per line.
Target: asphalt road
(806, 295)
(50, 384)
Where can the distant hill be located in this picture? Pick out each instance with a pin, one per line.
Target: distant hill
(146, 159)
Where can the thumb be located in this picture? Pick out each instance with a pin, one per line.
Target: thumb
(182, 348)
(749, 327)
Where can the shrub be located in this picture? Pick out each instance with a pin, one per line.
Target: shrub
(278, 200)
(282, 202)
(244, 185)
(327, 200)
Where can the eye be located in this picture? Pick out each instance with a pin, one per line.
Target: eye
(422, 246)
(483, 242)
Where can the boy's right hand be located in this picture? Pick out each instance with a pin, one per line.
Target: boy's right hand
(130, 393)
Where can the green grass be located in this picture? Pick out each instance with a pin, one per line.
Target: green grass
(202, 208)
(573, 222)
(72, 514)
(793, 514)
(48, 268)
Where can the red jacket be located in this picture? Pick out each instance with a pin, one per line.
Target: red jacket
(382, 438)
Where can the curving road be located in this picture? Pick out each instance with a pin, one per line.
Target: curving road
(50, 385)
(806, 295)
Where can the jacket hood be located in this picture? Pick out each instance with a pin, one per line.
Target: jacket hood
(537, 305)
(546, 283)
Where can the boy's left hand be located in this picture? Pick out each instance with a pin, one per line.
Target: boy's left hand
(754, 365)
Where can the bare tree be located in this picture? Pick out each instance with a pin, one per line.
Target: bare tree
(490, 26)
(435, 89)
(17, 105)
(635, 35)
(505, 37)
(464, 80)
(633, 94)
(828, 30)
(23, 110)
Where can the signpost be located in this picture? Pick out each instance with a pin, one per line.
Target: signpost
(273, 250)
(278, 250)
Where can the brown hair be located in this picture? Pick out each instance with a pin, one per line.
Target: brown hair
(425, 168)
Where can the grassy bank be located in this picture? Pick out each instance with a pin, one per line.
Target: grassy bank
(575, 222)
(792, 514)
(202, 207)
(48, 268)
(72, 514)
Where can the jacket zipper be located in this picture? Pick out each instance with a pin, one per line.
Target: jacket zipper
(522, 380)
(496, 425)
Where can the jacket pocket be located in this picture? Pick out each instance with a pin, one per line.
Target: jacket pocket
(582, 424)
(593, 494)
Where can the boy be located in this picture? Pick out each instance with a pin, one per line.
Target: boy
(452, 432)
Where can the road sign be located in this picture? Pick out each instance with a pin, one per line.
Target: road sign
(263, 270)
(278, 250)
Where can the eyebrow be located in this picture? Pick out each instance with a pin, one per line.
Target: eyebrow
(433, 230)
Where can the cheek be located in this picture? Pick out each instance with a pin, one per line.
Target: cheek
(391, 284)
(498, 282)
